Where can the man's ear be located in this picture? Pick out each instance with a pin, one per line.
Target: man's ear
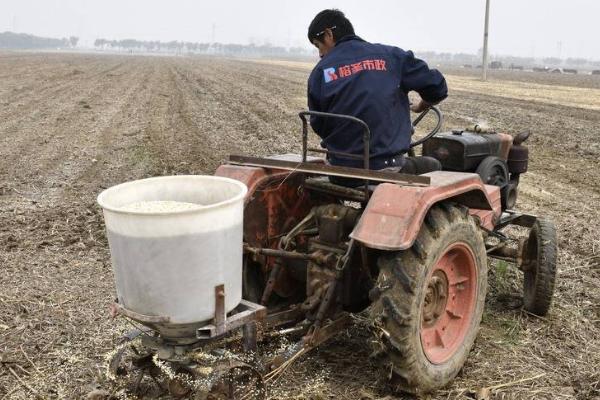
(329, 34)
(328, 37)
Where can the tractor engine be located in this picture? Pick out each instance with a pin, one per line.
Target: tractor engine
(498, 158)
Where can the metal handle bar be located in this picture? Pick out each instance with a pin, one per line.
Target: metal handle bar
(366, 133)
(440, 119)
(366, 138)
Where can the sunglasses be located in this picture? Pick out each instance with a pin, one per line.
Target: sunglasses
(324, 30)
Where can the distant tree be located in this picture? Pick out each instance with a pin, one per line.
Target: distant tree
(576, 61)
(73, 40)
(11, 40)
(552, 61)
(464, 58)
(129, 44)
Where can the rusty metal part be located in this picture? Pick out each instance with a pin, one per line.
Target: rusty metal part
(518, 255)
(315, 257)
(314, 298)
(177, 386)
(324, 307)
(114, 363)
(248, 312)
(220, 314)
(279, 318)
(320, 277)
(277, 254)
(504, 252)
(271, 282)
(518, 159)
(330, 294)
(227, 378)
(364, 258)
(506, 142)
(520, 138)
(132, 360)
(515, 218)
(436, 297)
(307, 221)
(322, 185)
(273, 201)
(235, 380)
(249, 333)
(318, 280)
(335, 222)
(311, 340)
(329, 330)
(319, 169)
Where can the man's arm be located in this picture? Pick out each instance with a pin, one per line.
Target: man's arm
(314, 100)
(429, 83)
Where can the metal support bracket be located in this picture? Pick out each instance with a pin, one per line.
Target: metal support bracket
(247, 313)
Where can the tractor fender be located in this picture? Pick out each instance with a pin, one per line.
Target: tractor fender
(255, 177)
(394, 215)
(252, 177)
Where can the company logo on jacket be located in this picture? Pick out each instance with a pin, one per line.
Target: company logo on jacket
(332, 74)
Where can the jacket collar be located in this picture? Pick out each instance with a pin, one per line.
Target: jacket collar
(348, 38)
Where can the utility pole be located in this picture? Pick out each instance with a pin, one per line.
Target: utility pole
(485, 39)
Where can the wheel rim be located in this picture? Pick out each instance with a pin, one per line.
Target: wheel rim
(449, 303)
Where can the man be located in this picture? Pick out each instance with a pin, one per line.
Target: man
(370, 82)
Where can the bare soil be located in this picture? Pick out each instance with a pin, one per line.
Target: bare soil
(72, 125)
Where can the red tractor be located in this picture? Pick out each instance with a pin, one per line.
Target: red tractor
(410, 250)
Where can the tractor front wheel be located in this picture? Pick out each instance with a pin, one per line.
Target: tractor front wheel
(428, 301)
(539, 267)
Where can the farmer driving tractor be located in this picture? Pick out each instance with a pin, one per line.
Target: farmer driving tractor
(371, 82)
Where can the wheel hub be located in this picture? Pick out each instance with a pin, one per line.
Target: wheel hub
(435, 298)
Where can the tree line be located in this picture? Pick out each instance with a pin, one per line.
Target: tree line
(474, 60)
(154, 46)
(11, 40)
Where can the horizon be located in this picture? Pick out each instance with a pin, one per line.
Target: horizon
(307, 48)
(539, 29)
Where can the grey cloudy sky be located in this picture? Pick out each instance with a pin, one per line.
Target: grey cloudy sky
(540, 28)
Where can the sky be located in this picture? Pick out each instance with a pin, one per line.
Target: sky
(538, 28)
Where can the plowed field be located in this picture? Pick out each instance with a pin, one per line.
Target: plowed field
(72, 125)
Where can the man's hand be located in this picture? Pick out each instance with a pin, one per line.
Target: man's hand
(421, 106)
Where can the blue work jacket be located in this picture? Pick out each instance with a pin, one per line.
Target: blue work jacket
(371, 82)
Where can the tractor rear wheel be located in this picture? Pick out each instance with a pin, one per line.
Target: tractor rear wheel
(428, 301)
